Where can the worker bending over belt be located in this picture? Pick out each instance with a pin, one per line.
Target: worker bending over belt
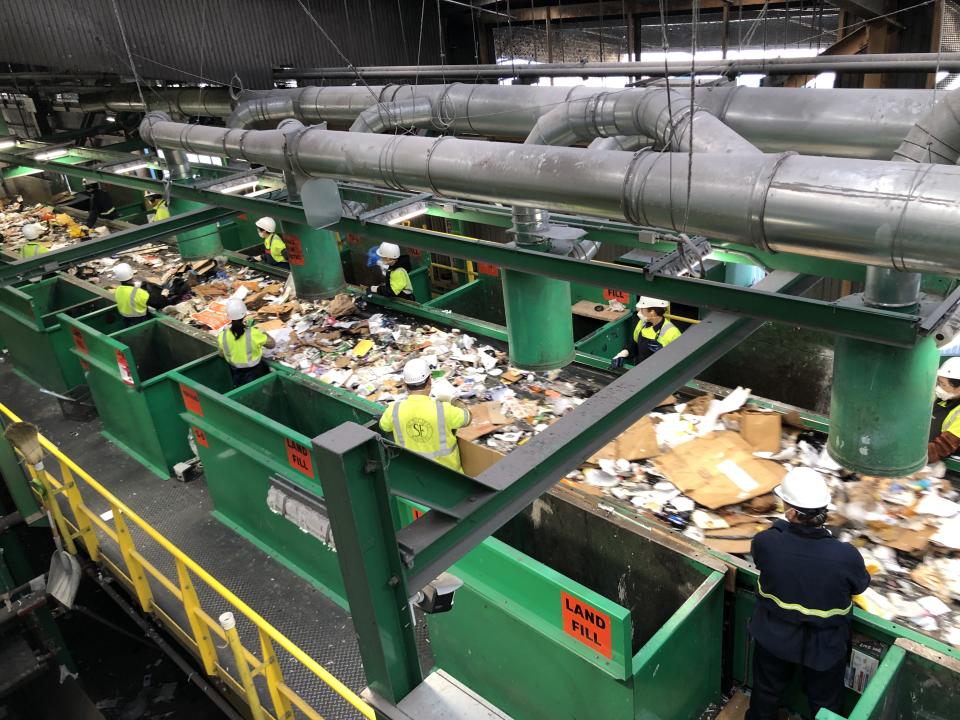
(241, 345)
(652, 332)
(396, 279)
(945, 424)
(155, 203)
(805, 601)
(100, 205)
(132, 298)
(423, 424)
(33, 247)
(274, 246)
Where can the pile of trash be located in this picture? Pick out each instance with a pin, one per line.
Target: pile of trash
(59, 229)
(707, 468)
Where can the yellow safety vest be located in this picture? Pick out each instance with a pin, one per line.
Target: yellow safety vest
(132, 301)
(32, 249)
(426, 426)
(400, 281)
(162, 212)
(275, 247)
(244, 351)
(668, 332)
(951, 423)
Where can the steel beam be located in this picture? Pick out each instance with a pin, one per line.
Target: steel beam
(60, 259)
(435, 541)
(889, 328)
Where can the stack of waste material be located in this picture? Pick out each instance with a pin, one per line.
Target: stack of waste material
(59, 229)
(707, 469)
(196, 291)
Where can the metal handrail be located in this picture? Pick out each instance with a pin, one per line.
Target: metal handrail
(200, 621)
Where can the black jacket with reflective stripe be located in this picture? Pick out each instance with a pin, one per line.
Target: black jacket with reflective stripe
(804, 606)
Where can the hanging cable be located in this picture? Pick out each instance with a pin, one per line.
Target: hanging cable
(403, 34)
(126, 45)
(693, 86)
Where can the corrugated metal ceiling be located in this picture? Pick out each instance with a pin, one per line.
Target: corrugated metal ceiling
(178, 40)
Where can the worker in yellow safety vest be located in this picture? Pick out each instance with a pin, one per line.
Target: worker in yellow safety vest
(396, 278)
(132, 299)
(652, 332)
(424, 424)
(241, 345)
(945, 422)
(274, 246)
(805, 595)
(33, 246)
(155, 203)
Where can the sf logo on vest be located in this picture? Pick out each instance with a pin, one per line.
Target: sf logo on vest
(418, 428)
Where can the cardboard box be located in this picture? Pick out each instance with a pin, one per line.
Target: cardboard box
(719, 469)
(637, 442)
(476, 458)
(761, 429)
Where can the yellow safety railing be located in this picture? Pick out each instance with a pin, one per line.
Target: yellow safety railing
(202, 626)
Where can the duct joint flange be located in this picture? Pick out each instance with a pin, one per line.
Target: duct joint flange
(430, 151)
(758, 201)
(631, 200)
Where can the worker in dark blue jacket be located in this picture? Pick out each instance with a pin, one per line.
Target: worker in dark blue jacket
(805, 600)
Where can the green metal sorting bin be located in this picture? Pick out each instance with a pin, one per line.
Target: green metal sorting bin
(257, 438)
(589, 614)
(128, 372)
(912, 682)
(38, 343)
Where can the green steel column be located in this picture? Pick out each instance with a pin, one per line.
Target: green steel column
(880, 406)
(539, 321)
(363, 518)
(202, 242)
(314, 261)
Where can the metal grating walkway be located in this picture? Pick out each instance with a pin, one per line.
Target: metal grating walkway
(182, 513)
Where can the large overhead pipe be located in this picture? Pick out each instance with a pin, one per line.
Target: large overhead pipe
(877, 213)
(839, 122)
(204, 102)
(874, 63)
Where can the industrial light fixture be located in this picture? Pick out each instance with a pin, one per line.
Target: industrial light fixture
(130, 168)
(111, 118)
(51, 155)
(262, 191)
(7, 143)
(397, 212)
(240, 186)
(407, 213)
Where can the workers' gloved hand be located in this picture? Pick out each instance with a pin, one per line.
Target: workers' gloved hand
(619, 359)
(373, 289)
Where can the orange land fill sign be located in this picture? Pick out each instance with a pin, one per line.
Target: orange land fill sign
(586, 624)
(619, 295)
(191, 400)
(298, 457)
(201, 437)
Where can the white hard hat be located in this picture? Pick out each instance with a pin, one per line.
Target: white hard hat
(388, 251)
(651, 302)
(950, 369)
(268, 224)
(236, 310)
(31, 231)
(416, 371)
(122, 272)
(804, 488)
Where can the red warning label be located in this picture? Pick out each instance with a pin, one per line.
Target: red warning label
(201, 437)
(488, 269)
(298, 457)
(124, 368)
(294, 249)
(191, 400)
(618, 295)
(79, 341)
(586, 624)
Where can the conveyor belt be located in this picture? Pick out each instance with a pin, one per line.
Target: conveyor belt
(182, 512)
